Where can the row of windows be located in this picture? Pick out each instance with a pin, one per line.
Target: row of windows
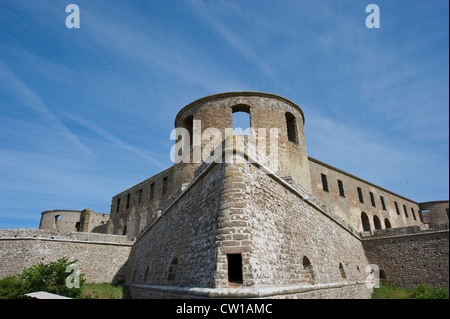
(241, 120)
(139, 201)
(235, 274)
(376, 221)
(361, 197)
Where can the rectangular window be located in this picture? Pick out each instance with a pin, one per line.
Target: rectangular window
(383, 204)
(235, 268)
(406, 211)
(396, 208)
(128, 201)
(164, 188)
(152, 190)
(372, 199)
(413, 213)
(118, 206)
(341, 188)
(324, 182)
(360, 195)
(140, 196)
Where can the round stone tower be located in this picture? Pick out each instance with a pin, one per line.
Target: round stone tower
(265, 111)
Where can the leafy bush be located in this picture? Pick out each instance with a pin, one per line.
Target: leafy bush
(41, 277)
(428, 292)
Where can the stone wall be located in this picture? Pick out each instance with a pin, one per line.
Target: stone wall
(411, 256)
(383, 208)
(100, 257)
(435, 212)
(286, 246)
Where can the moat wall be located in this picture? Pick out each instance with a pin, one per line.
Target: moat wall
(100, 257)
(411, 256)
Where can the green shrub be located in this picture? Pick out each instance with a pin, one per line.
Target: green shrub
(11, 287)
(41, 277)
(428, 292)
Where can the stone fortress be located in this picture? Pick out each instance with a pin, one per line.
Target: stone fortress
(249, 222)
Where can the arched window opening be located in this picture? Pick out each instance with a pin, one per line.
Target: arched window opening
(365, 222)
(342, 271)
(57, 218)
(376, 222)
(291, 125)
(241, 120)
(387, 223)
(172, 270)
(188, 124)
(308, 271)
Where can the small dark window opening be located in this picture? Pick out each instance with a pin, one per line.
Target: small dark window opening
(376, 222)
(118, 206)
(372, 199)
(235, 268)
(324, 182)
(124, 230)
(342, 271)
(365, 222)
(57, 218)
(164, 188)
(152, 190)
(188, 124)
(77, 226)
(413, 213)
(396, 208)
(341, 188)
(308, 270)
(383, 204)
(387, 223)
(406, 211)
(140, 196)
(128, 201)
(360, 195)
(291, 124)
(172, 270)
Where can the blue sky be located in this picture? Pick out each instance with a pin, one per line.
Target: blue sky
(86, 113)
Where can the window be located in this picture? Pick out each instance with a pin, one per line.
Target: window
(140, 196)
(324, 182)
(360, 195)
(164, 187)
(291, 125)
(241, 120)
(396, 208)
(372, 199)
(124, 232)
(188, 124)
(405, 210)
(342, 271)
(57, 218)
(172, 270)
(235, 268)
(128, 201)
(308, 270)
(341, 188)
(387, 223)
(365, 222)
(152, 190)
(118, 206)
(383, 204)
(376, 222)
(413, 213)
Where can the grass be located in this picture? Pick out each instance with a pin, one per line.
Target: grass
(104, 291)
(391, 291)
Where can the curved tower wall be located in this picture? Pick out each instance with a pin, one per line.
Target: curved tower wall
(267, 111)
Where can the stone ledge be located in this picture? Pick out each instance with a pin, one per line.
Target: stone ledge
(245, 292)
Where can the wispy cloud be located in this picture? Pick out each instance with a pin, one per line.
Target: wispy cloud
(113, 138)
(240, 45)
(33, 102)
